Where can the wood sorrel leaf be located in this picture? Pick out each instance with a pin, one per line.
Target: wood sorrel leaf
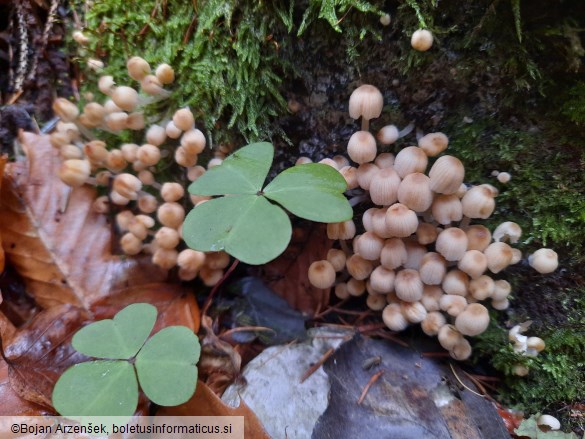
(243, 172)
(117, 338)
(166, 365)
(97, 388)
(248, 227)
(313, 191)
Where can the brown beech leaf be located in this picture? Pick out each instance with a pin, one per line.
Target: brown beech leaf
(40, 351)
(287, 274)
(12, 404)
(176, 305)
(207, 403)
(53, 238)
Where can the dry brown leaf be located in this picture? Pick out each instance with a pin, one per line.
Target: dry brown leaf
(63, 256)
(287, 275)
(175, 305)
(12, 404)
(39, 352)
(206, 403)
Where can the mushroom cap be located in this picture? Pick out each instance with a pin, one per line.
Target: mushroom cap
(449, 336)
(358, 267)
(550, 421)
(482, 287)
(433, 268)
(478, 202)
(414, 312)
(544, 260)
(393, 317)
(365, 173)
(387, 134)
(366, 101)
(431, 296)
(452, 243)
(384, 187)
(401, 221)
(393, 254)
(473, 320)
(376, 302)
(415, 192)
(408, 285)
(369, 246)
(409, 160)
(382, 279)
(452, 304)
(479, 237)
(474, 263)
(446, 175)
(447, 208)
(507, 231)
(499, 256)
(361, 147)
(461, 351)
(455, 282)
(421, 40)
(433, 322)
(433, 144)
(321, 274)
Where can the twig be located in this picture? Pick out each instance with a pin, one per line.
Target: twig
(246, 328)
(217, 285)
(370, 383)
(463, 384)
(317, 365)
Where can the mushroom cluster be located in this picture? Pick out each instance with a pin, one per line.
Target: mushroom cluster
(143, 183)
(417, 257)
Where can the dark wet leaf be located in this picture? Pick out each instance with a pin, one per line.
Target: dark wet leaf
(414, 397)
(258, 305)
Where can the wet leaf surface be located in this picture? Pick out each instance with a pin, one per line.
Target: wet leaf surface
(257, 305)
(206, 403)
(3, 160)
(287, 275)
(414, 397)
(54, 239)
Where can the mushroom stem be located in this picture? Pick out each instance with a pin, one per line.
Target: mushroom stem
(407, 130)
(344, 247)
(464, 224)
(419, 134)
(365, 124)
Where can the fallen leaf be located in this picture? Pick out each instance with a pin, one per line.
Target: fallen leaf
(54, 239)
(413, 397)
(206, 403)
(529, 429)
(12, 404)
(175, 305)
(39, 352)
(287, 274)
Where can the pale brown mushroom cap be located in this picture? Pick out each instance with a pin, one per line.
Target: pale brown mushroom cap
(544, 260)
(473, 320)
(366, 101)
(321, 274)
(408, 285)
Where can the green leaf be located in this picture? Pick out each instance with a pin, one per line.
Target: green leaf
(313, 191)
(248, 227)
(243, 172)
(97, 388)
(166, 365)
(120, 338)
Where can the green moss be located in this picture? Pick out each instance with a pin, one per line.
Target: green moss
(228, 55)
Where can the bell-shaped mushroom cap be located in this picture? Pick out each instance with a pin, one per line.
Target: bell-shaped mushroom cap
(478, 202)
(433, 322)
(452, 243)
(479, 237)
(415, 192)
(414, 312)
(447, 208)
(482, 287)
(446, 175)
(393, 318)
(433, 268)
(433, 144)
(387, 134)
(456, 283)
(502, 289)
(393, 254)
(361, 147)
(382, 279)
(366, 101)
(499, 256)
(544, 260)
(474, 263)
(426, 233)
(421, 40)
(452, 304)
(431, 296)
(384, 187)
(358, 267)
(548, 421)
(414, 254)
(473, 320)
(369, 246)
(384, 160)
(449, 336)
(409, 160)
(321, 274)
(365, 173)
(401, 221)
(461, 351)
(376, 302)
(408, 285)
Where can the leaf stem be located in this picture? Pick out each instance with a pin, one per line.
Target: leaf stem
(217, 285)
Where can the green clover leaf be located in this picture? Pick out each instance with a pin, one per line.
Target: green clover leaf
(244, 223)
